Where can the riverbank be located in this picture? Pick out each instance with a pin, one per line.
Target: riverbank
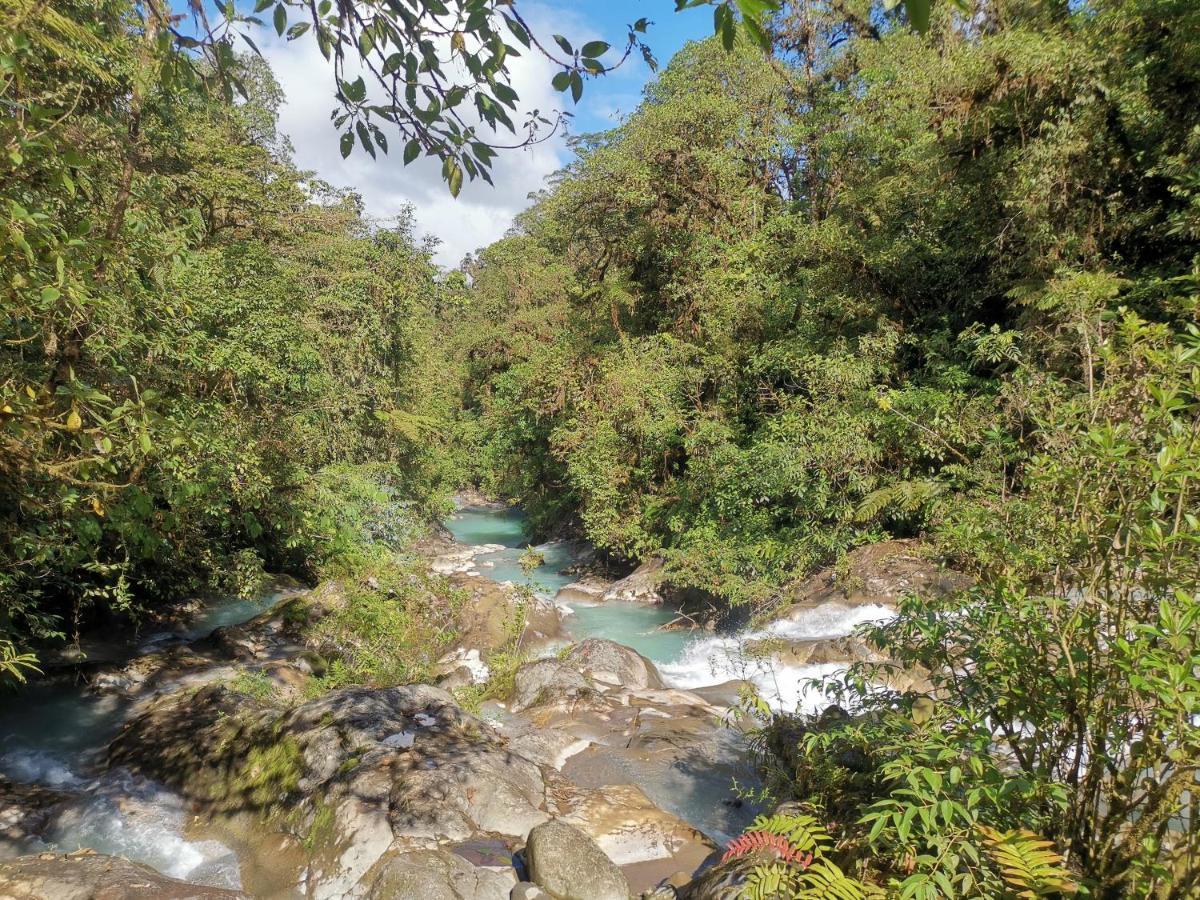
(237, 759)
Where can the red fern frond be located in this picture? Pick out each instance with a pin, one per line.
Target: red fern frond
(753, 841)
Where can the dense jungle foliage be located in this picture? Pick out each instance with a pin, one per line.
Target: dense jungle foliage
(874, 283)
(883, 284)
(210, 362)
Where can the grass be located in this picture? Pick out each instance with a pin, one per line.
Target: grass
(396, 623)
(253, 684)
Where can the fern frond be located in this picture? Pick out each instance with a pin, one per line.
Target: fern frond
(904, 497)
(803, 832)
(755, 841)
(823, 880)
(1029, 864)
(770, 882)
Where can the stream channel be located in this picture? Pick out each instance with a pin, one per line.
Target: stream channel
(54, 734)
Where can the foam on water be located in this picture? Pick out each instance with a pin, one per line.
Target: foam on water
(829, 620)
(684, 660)
(720, 658)
(123, 815)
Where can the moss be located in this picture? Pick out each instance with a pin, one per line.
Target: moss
(268, 773)
(320, 832)
(253, 684)
(296, 612)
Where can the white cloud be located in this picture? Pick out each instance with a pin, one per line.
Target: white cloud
(482, 213)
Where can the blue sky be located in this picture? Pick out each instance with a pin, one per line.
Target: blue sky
(481, 214)
(620, 90)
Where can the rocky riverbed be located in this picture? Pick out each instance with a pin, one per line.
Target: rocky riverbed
(597, 773)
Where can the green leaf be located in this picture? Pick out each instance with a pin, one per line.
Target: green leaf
(411, 151)
(594, 49)
(576, 86)
(517, 29)
(564, 44)
(561, 81)
(454, 180)
(918, 14)
(364, 138)
(757, 33)
(280, 19)
(355, 91)
(723, 25)
(347, 143)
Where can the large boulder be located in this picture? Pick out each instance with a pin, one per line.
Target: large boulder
(438, 875)
(613, 664)
(589, 670)
(548, 681)
(349, 774)
(642, 585)
(497, 615)
(568, 865)
(588, 589)
(647, 842)
(878, 574)
(85, 876)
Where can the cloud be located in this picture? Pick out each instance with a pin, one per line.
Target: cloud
(482, 213)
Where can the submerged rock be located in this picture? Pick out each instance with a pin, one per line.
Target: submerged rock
(569, 865)
(87, 876)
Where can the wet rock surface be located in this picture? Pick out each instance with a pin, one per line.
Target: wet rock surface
(25, 810)
(85, 876)
(642, 585)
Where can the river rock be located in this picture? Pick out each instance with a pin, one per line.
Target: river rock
(438, 875)
(647, 842)
(492, 619)
(640, 586)
(87, 876)
(527, 890)
(546, 681)
(569, 865)
(25, 810)
(350, 774)
(613, 664)
(880, 573)
(588, 589)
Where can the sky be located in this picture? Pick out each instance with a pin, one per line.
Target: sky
(481, 214)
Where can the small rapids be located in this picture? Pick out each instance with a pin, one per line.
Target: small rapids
(685, 660)
(715, 659)
(54, 734)
(699, 789)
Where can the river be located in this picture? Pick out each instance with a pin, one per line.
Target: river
(53, 734)
(686, 659)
